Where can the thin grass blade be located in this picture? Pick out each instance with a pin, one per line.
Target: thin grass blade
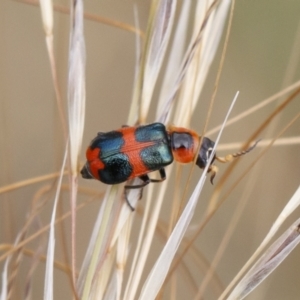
(276, 253)
(163, 263)
(158, 33)
(105, 279)
(76, 109)
(257, 107)
(208, 38)
(76, 85)
(187, 61)
(122, 254)
(146, 235)
(289, 208)
(47, 16)
(137, 262)
(4, 279)
(286, 212)
(90, 248)
(112, 289)
(284, 141)
(48, 290)
(175, 56)
(98, 246)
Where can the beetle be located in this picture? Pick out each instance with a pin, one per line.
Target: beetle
(129, 152)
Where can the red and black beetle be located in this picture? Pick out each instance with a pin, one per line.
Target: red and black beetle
(117, 156)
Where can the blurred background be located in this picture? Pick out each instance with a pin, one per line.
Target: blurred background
(262, 59)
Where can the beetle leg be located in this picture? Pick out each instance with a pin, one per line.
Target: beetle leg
(214, 170)
(127, 201)
(163, 176)
(146, 180)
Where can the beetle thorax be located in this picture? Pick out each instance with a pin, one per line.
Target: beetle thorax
(184, 144)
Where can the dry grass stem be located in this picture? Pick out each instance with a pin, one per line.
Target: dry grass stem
(268, 262)
(91, 17)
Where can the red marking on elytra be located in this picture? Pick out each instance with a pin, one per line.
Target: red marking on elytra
(132, 148)
(94, 162)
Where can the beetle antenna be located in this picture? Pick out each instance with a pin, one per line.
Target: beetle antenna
(230, 157)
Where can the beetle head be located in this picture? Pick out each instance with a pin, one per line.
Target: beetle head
(205, 152)
(85, 172)
(203, 157)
